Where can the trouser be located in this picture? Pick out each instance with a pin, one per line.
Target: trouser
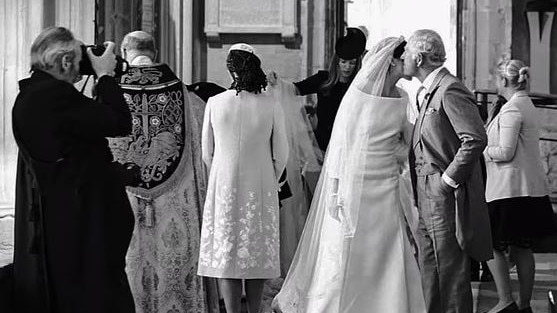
(444, 266)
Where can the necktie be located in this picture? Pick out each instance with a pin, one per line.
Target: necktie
(418, 102)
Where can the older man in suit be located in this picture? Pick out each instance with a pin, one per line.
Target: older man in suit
(447, 142)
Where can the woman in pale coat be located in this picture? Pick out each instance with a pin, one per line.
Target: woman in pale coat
(244, 146)
(516, 191)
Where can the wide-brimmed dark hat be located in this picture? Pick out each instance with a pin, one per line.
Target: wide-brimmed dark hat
(352, 45)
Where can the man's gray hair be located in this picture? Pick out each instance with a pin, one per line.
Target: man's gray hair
(139, 42)
(50, 47)
(430, 45)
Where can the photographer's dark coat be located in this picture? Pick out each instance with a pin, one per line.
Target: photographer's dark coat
(74, 222)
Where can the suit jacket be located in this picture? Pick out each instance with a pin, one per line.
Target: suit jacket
(512, 155)
(451, 136)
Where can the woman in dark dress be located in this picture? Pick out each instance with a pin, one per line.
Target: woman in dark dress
(330, 86)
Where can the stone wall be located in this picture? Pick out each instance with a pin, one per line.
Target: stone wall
(293, 59)
(275, 56)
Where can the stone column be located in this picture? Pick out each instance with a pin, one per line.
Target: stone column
(148, 13)
(77, 16)
(20, 22)
(468, 53)
(176, 37)
(487, 37)
(117, 18)
(493, 39)
(186, 59)
(316, 37)
(334, 27)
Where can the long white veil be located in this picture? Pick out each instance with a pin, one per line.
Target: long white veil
(303, 145)
(303, 167)
(344, 160)
(339, 190)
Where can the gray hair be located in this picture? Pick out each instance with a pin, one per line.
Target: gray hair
(139, 43)
(428, 43)
(516, 73)
(50, 47)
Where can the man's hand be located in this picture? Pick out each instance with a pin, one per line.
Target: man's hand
(106, 63)
(444, 187)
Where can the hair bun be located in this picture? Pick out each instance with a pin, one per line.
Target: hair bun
(523, 73)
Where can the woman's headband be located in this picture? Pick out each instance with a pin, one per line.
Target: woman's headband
(242, 47)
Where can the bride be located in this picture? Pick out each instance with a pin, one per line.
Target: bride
(354, 254)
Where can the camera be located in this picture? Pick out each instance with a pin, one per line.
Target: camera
(85, 67)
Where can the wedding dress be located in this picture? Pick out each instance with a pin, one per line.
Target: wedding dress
(355, 254)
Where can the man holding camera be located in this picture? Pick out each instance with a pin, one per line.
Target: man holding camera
(73, 218)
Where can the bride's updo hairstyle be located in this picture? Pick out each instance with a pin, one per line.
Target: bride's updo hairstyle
(515, 72)
(377, 63)
(399, 50)
(397, 53)
(245, 68)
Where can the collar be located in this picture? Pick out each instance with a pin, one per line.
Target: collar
(141, 60)
(37, 75)
(428, 81)
(520, 93)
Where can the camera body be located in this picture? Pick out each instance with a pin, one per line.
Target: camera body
(85, 67)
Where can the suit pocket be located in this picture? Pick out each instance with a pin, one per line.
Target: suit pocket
(432, 115)
(432, 121)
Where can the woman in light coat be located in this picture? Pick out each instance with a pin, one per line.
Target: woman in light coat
(244, 145)
(516, 191)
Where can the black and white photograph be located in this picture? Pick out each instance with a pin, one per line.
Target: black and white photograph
(278, 156)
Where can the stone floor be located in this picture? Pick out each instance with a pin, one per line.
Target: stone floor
(484, 293)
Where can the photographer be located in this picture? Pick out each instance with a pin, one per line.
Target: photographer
(73, 218)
